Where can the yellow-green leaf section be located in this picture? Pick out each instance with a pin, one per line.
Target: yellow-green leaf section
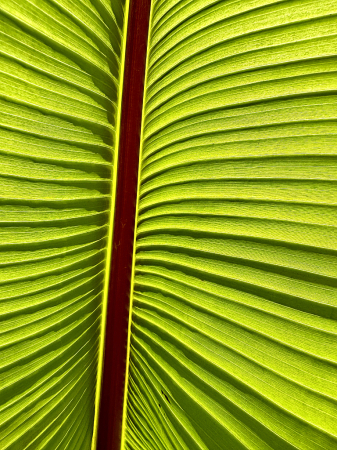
(232, 339)
(61, 72)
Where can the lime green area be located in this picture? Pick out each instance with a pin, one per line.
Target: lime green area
(61, 72)
(232, 339)
(232, 333)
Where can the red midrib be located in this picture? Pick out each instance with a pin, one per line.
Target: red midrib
(111, 404)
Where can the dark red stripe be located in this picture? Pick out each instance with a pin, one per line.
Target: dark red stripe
(111, 406)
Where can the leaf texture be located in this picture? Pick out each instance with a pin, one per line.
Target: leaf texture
(233, 332)
(61, 63)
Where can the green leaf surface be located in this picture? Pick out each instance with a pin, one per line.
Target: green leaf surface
(232, 339)
(61, 66)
